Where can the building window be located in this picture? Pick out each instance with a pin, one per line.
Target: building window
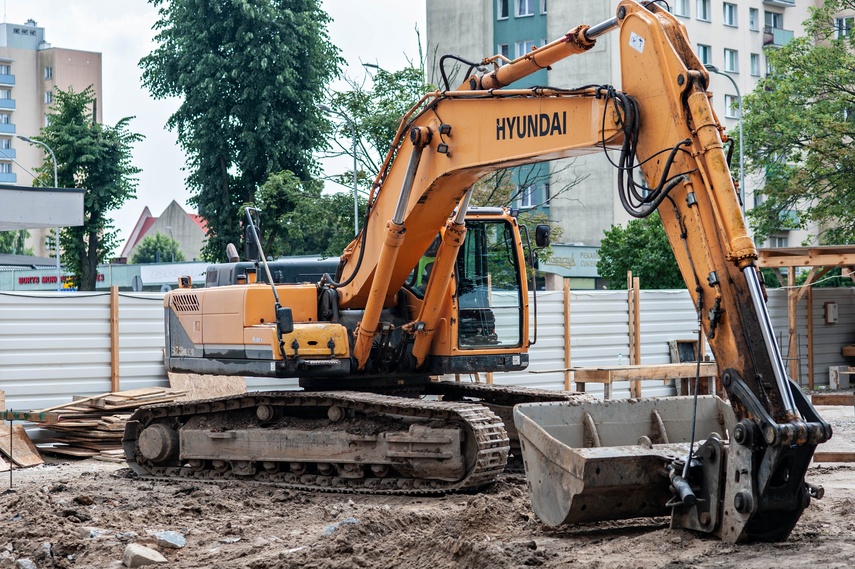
(731, 106)
(5, 93)
(5, 118)
(704, 10)
(48, 73)
(731, 60)
(543, 6)
(47, 120)
(525, 8)
(524, 47)
(843, 27)
(755, 64)
(5, 69)
(527, 196)
(681, 8)
(773, 20)
(730, 18)
(5, 143)
(504, 52)
(704, 53)
(502, 9)
(5, 168)
(777, 241)
(753, 19)
(48, 97)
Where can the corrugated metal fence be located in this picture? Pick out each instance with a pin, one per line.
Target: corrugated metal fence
(55, 345)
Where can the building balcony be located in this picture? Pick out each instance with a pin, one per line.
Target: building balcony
(8, 178)
(8, 154)
(7, 128)
(776, 37)
(7, 79)
(7, 104)
(781, 3)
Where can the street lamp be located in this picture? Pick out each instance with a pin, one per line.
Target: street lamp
(713, 69)
(55, 185)
(328, 109)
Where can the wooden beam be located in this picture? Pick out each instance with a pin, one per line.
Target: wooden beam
(810, 335)
(567, 373)
(833, 399)
(830, 456)
(635, 387)
(114, 338)
(792, 306)
(630, 310)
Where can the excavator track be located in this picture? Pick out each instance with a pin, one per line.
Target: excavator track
(213, 440)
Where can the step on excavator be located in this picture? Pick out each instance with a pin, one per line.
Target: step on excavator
(432, 287)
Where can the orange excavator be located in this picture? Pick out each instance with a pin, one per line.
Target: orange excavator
(432, 286)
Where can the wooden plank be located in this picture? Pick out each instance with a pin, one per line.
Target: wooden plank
(641, 372)
(70, 403)
(2, 400)
(833, 398)
(18, 447)
(198, 386)
(831, 456)
(69, 451)
(4, 466)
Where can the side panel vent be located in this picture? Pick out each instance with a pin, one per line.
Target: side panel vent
(185, 302)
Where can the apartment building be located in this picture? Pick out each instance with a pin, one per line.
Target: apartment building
(30, 72)
(732, 36)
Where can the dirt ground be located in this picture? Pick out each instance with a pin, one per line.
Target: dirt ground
(88, 512)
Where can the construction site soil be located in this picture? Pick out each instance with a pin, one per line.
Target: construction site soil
(85, 513)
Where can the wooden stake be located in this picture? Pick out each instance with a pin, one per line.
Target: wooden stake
(792, 306)
(567, 372)
(810, 335)
(114, 338)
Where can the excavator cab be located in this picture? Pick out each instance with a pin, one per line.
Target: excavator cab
(488, 287)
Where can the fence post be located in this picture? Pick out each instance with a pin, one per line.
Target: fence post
(114, 338)
(567, 372)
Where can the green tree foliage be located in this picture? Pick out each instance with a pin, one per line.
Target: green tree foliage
(375, 107)
(96, 157)
(298, 219)
(798, 127)
(12, 242)
(249, 73)
(641, 247)
(158, 248)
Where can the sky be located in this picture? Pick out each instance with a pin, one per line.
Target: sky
(378, 31)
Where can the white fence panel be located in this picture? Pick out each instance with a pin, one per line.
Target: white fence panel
(53, 346)
(56, 345)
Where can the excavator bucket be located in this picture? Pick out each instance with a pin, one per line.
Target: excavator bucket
(608, 460)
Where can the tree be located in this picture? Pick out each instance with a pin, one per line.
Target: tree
(12, 242)
(641, 247)
(249, 74)
(96, 157)
(798, 129)
(158, 248)
(375, 105)
(298, 219)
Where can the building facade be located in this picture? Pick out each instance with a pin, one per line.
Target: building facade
(581, 193)
(30, 72)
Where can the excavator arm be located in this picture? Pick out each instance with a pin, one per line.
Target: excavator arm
(670, 159)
